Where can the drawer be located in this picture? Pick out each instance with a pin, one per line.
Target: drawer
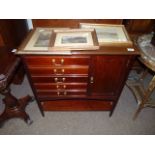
(56, 60)
(61, 93)
(77, 105)
(49, 86)
(58, 70)
(50, 79)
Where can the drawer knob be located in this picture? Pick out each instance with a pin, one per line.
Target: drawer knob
(58, 93)
(57, 86)
(91, 79)
(55, 70)
(55, 79)
(53, 61)
(62, 61)
(62, 70)
(64, 86)
(63, 79)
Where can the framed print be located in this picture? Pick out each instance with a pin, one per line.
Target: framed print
(40, 39)
(108, 34)
(74, 39)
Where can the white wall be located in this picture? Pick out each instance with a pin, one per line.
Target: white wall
(29, 23)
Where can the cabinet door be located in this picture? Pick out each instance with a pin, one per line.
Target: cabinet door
(108, 74)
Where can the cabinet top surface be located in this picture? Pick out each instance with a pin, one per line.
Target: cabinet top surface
(38, 40)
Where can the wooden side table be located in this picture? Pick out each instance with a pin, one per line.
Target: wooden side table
(13, 107)
(147, 58)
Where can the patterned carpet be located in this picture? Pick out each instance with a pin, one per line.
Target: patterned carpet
(83, 123)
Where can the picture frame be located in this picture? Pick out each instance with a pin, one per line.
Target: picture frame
(74, 39)
(40, 39)
(109, 34)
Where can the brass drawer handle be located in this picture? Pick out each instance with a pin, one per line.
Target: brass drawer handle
(53, 61)
(63, 71)
(55, 71)
(58, 86)
(91, 79)
(63, 79)
(62, 61)
(65, 93)
(56, 79)
(58, 93)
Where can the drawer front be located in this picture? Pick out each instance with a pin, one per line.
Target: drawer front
(58, 80)
(74, 105)
(58, 70)
(61, 93)
(56, 60)
(51, 86)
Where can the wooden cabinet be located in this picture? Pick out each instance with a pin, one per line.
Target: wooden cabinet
(79, 79)
(77, 82)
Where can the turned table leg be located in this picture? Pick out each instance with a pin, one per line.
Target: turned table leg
(15, 108)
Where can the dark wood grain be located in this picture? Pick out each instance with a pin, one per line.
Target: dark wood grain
(73, 23)
(74, 79)
(51, 86)
(108, 72)
(78, 105)
(138, 26)
(1, 41)
(48, 60)
(12, 32)
(61, 93)
(82, 70)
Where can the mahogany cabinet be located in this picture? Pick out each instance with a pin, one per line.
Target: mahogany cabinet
(77, 82)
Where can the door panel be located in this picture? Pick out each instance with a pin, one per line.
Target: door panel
(108, 73)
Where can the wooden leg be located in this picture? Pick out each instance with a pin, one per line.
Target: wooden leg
(15, 108)
(146, 97)
(137, 112)
(144, 74)
(19, 76)
(110, 114)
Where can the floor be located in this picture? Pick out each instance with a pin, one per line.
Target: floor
(83, 123)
